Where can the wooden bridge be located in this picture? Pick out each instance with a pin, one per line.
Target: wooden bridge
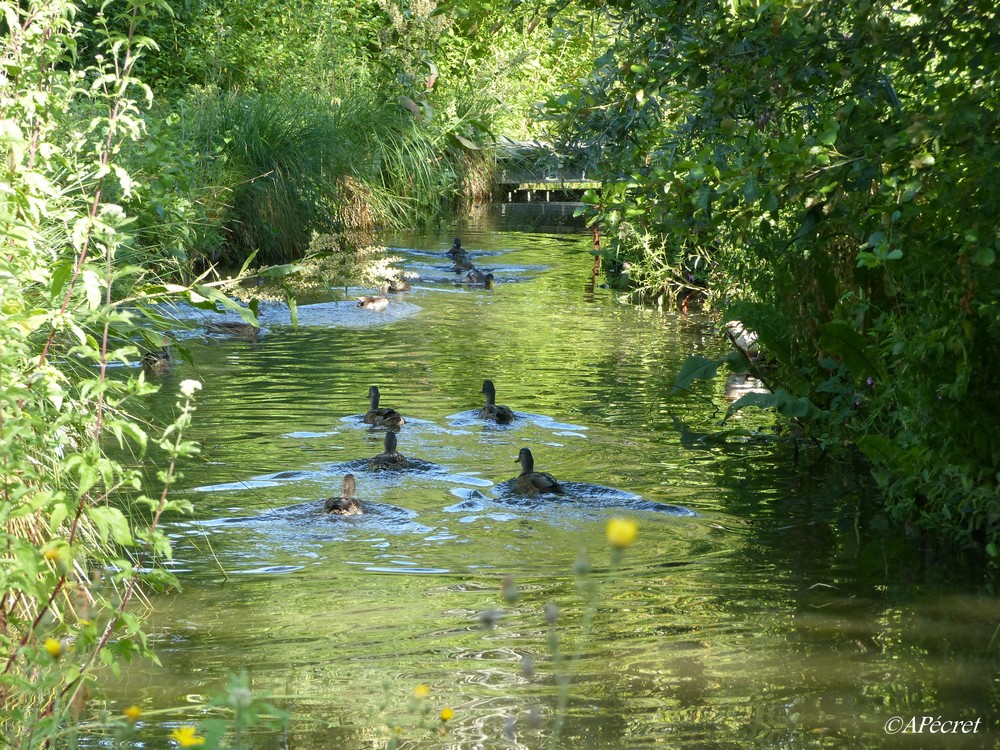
(533, 171)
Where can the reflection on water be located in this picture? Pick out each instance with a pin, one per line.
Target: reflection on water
(748, 613)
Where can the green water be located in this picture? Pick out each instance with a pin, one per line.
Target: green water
(762, 621)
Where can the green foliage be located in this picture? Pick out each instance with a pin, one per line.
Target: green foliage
(78, 533)
(825, 168)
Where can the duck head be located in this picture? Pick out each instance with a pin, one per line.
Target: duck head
(373, 397)
(390, 442)
(348, 487)
(526, 460)
(490, 391)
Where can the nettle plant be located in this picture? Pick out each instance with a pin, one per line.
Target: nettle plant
(78, 534)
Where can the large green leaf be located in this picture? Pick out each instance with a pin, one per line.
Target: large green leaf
(859, 357)
(798, 407)
(695, 368)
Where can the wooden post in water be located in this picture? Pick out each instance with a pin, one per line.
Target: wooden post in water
(597, 259)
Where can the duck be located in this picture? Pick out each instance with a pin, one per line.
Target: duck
(244, 331)
(157, 363)
(378, 304)
(456, 248)
(475, 276)
(462, 263)
(399, 285)
(384, 417)
(499, 414)
(533, 483)
(390, 458)
(346, 504)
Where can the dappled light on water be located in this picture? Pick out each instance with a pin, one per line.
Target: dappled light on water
(748, 612)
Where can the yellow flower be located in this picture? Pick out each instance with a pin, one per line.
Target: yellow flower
(421, 691)
(51, 554)
(132, 713)
(621, 532)
(186, 737)
(447, 714)
(53, 646)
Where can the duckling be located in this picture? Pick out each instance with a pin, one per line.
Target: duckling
(157, 363)
(244, 331)
(384, 417)
(531, 482)
(346, 504)
(378, 304)
(456, 248)
(499, 414)
(389, 458)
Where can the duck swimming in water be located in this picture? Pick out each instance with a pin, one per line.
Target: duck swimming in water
(456, 248)
(157, 363)
(390, 458)
(346, 504)
(499, 414)
(381, 417)
(475, 276)
(462, 263)
(244, 331)
(378, 304)
(533, 483)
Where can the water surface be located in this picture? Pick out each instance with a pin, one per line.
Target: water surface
(749, 612)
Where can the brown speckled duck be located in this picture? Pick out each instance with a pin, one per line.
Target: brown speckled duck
(244, 331)
(475, 276)
(499, 414)
(390, 458)
(346, 504)
(157, 363)
(462, 263)
(378, 304)
(381, 417)
(533, 483)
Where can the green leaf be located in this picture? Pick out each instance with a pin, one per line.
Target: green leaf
(695, 368)
(984, 255)
(111, 521)
(782, 401)
(92, 288)
(859, 357)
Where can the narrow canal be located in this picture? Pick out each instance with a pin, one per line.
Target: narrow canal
(761, 618)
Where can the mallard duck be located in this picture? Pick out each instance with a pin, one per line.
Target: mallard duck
(399, 285)
(378, 304)
(384, 417)
(236, 330)
(475, 276)
(389, 458)
(456, 248)
(462, 263)
(531, 482)
(499, 414)
(157, 363)
(346, 504)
